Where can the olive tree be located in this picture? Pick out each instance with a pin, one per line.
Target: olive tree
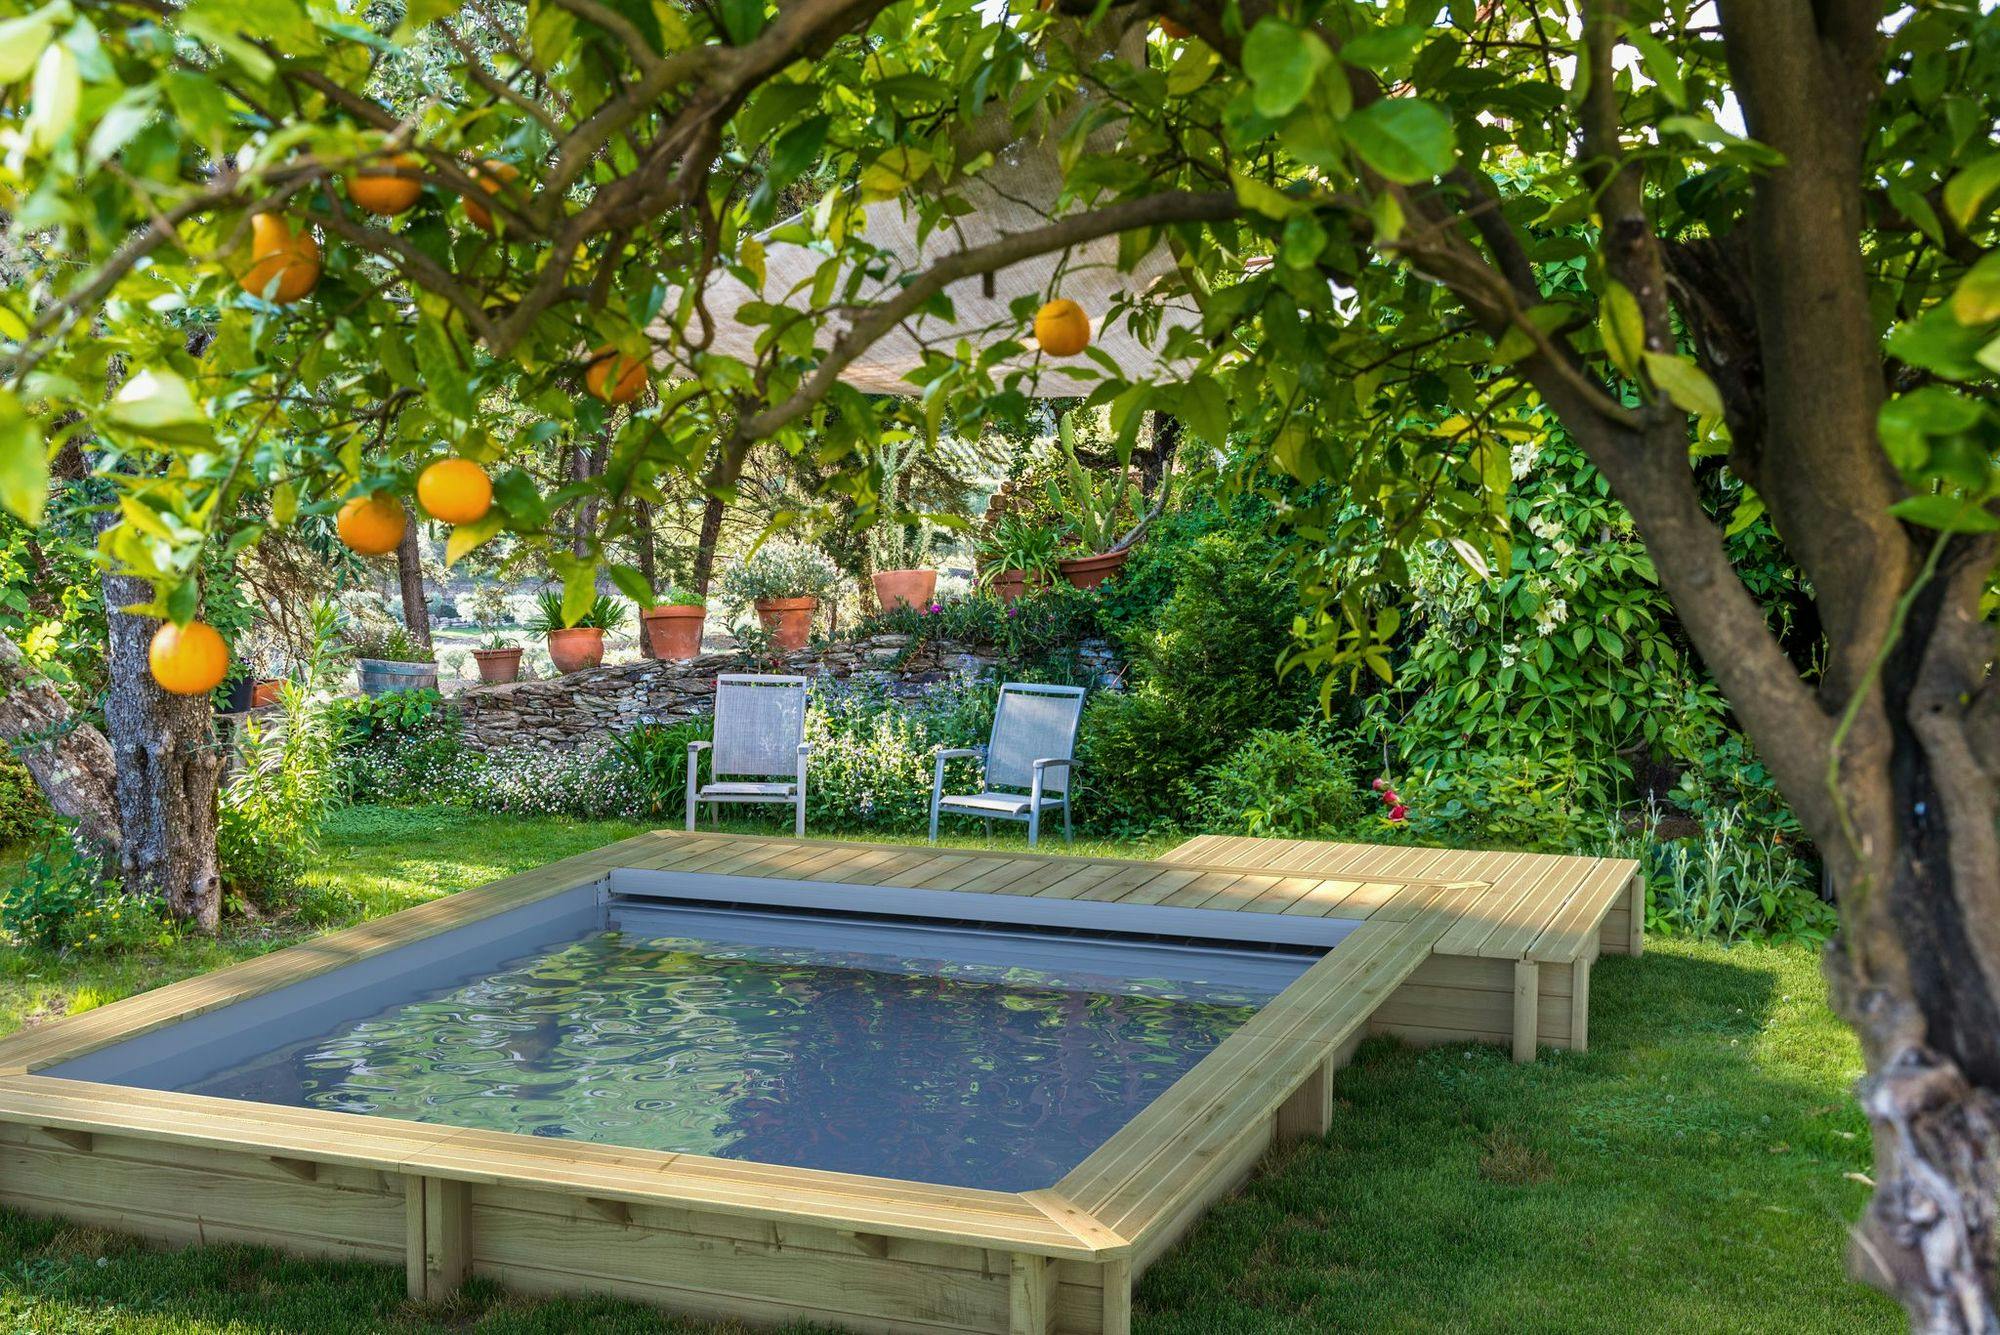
(1751, 236)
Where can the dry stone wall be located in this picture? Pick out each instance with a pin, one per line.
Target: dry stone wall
(585, 707)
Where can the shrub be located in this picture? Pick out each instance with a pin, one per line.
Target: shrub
(781, 570)
(400, 747)
(22, 810)
(1534, 802)
(64, 898)
(268, 816)
(874, 757)
(651, 762)
(1296, 784)
(1039, 633)
(1732, 882)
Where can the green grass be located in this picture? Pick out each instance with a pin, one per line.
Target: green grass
(1692, 1172)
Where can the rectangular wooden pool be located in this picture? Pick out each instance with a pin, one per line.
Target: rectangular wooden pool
(1037, 1222)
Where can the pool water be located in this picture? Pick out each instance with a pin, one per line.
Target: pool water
(962, 1074)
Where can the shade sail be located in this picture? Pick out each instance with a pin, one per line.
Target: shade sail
(1021, 191)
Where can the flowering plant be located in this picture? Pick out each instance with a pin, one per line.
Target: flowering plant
(782, 570)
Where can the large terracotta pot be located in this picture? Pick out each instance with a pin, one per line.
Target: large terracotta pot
(264, 693)
(904, 588)
(1009, 585)
(497, 667)
(1087, 572)
(574, 648)
(789, 620)
(674, 632)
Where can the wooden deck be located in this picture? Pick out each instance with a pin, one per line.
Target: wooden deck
(1515, 967)
(733, 1239)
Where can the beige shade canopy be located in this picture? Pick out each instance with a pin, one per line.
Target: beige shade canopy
(1019, 192)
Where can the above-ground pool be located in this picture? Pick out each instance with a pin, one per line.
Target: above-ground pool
(904, 1090)
(965, 1056)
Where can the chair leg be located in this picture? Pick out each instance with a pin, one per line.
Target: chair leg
(799, 821)
(690, 810)
(934, 817)
(1034, 826)
(1069, 837)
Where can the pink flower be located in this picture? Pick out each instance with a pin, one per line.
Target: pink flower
(1380, 784)
(1398, 814)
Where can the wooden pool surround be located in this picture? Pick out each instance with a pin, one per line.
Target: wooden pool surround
(1450, 947)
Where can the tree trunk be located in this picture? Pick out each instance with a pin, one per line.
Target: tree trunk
(69, 759)
(167, 766)
(410, 579)
(648, 562)
(706, 542)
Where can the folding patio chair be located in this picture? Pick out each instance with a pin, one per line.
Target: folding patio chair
(760, 747)
(1033, 746)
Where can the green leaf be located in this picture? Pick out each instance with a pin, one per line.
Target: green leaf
(1968, 188)
(1405, 139)
(579, 590)
(1258, 197)
(1686, 384)
(468, 538)
(22, 39)
(796, 150)
(632, 584)
(1661, 67)
(24, 462)
(1380, 49)
(52, 103)
(1282, 62)
(446, 381)
(1976, 299)
(1946, 514)
(892, 173)
(157, 402)
(1622, 327)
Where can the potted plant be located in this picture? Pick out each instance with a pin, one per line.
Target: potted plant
(499, 662)
(673, 624)
(900, 553)
(579, 644)
(1019, 553)
(784, 581)
(1101, 518)
(387, 659)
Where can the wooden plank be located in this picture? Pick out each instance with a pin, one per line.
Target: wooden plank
(1308, 1113)
(437, 1219)
(1117, 1317)
(1030, 1295)
(1527, 1003)
(1579, 1006)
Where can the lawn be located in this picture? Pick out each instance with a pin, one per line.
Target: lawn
(1694, 1171)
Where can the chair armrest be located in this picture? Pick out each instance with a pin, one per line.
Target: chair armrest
(698, 746)
(805, 748)
(1040, 765)
(958, 753)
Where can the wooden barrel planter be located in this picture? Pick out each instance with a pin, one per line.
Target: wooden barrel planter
(380, 676)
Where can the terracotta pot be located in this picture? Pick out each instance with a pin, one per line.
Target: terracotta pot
(904, 588)
(574, 648)
(1087, 572)
(789, 620)
(264, 693)
(674, 632)
(497, 667)
(1009, 585)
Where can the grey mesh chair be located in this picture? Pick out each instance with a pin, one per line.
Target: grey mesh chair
(1033, 746)
(760, 746)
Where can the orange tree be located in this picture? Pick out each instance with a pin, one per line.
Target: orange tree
(1749, 235)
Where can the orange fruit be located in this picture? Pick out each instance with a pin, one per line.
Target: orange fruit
(1061, 328)
(188, 660)
(284, 265)
(373, 524)
(455, 491)
(604, 364)
(491, 175)
(380, 191)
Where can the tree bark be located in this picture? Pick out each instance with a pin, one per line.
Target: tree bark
(69, 759)
(167, 766)
(410, 580)
(706, 542)
(647, 560)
